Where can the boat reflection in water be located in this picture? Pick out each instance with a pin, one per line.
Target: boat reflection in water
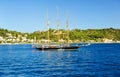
(58, 53)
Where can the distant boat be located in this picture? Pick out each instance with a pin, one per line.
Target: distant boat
(49, 46)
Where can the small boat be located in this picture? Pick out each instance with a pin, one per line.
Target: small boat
(49, 46)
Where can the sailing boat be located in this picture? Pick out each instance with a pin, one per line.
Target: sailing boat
(49, 46)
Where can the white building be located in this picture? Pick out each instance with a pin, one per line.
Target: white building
(1, 38)
(105, 40)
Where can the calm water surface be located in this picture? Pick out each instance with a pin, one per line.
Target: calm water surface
(96, 60)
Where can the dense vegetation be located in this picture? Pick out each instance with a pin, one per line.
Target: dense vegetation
(96, 35)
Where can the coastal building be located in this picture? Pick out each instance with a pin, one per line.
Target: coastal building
(105, 40)
(1, 38)
(24, 39)
(9, 35)
(118, 41)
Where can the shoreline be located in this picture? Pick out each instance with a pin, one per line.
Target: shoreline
(15, 43)
(71, 43)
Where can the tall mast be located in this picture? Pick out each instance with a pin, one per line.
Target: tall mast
(67, 31)
(47, 25)
(58, 26)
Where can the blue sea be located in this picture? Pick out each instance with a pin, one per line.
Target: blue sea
(95, 60)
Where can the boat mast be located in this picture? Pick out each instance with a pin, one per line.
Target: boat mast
(58, 31)
(67, 31)
(47, 25)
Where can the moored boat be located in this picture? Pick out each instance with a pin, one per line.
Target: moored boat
(49, 46)
(52, 47)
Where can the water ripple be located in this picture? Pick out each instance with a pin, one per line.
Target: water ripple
(96, 60)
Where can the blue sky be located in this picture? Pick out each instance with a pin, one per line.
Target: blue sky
(30, 15)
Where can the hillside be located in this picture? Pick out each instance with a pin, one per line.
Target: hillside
(76, 35)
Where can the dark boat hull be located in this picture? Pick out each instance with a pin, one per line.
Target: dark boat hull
(55, 48)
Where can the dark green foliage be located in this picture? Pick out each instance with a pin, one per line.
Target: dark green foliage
(75, 34)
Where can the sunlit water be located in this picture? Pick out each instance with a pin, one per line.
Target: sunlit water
(95, 60)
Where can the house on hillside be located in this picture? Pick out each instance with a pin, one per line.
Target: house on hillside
(105, 40)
